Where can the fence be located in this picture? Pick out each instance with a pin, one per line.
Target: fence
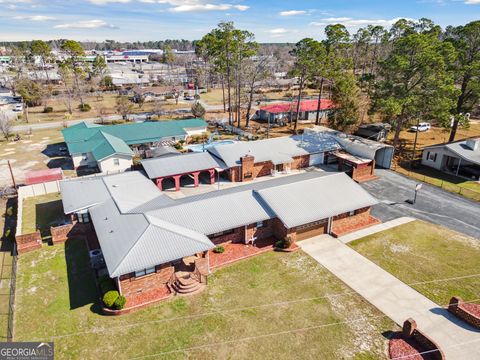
(439, 182)
(11, 300)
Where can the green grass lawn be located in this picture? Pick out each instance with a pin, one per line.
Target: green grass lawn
(242, 305)
(41, 212)
(423, 252)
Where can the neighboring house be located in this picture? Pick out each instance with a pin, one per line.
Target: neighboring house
(154, 93)
(146, 236)
(285, 111)
(246, 161)
(460, 157)
(111, 148)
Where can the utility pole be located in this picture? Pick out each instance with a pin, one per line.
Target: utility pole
(11, 174)
(415, 143)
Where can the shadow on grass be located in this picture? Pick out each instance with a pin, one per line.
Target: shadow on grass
(81, 281)
(48, 214)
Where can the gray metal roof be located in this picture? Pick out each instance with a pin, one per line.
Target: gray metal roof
(82, 193)
(277, 150)
(218, 213)
(461, 149)
(132, 242)
(318, 198)
(173, 165)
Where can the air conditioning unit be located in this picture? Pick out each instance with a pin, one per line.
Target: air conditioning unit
(96, 258)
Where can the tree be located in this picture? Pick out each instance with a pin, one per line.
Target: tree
(414, 78)
(44, 52)
(99, 67)
(255, 72)
(305, 53)
(124, 106)
(107, 82)
(198, 110)
(345, 96)
(76, 66)
(158, 107)
(5, 125)
(466, 68)
(31, 92)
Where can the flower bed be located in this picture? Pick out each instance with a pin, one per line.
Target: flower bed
(468, 312)
(399, 348)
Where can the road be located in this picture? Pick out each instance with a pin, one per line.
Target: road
(433, 204)
(140, 116)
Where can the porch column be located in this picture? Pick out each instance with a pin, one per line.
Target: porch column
(212, 176)
(159, 183)
(177, 182)
(195, 178)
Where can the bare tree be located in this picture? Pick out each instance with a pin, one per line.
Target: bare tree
(5, 125)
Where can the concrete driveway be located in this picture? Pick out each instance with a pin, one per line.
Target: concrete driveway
(433, 204)
(394, 298)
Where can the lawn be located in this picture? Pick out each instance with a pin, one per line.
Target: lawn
(41, 212)
(422, 252)
(248, 310)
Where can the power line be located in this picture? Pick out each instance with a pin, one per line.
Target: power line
(436, 350)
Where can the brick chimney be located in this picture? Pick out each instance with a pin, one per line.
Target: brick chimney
(248, 163)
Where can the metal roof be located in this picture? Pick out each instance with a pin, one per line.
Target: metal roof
(314, 199)
(173, 165)
(461, 149)
(106, 145)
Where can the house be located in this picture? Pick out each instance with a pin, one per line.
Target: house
(285, 112)
(154, 93)
(111, 148)
(246, 161)
(146, 237)
(460, 157)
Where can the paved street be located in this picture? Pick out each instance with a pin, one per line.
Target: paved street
(394, 298)
(433, 204)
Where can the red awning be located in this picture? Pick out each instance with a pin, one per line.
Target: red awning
(40, 176)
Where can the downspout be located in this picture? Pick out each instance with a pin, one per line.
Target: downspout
(119, 287)
(329, 225)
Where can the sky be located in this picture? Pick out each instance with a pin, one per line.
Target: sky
(270, 21)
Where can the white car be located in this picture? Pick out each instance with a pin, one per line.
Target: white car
(18, 108)
(421, 127)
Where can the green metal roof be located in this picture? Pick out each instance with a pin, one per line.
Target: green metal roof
(107, 140)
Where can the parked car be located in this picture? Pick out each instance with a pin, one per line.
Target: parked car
(421, 127)
(18, 107)
(189, 97)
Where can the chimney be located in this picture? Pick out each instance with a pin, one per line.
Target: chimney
(473, 144)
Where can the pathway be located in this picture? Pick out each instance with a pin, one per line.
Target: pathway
(374, 229)
(394, 298)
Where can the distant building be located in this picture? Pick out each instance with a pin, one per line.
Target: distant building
(285, 111)
(460, 157)
(377, 131)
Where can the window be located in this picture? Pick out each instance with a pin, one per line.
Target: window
(144, 272)
(83, 217)
(260, 224)
(351, 213)
(221, 233)
(116, 162)
(431, 156)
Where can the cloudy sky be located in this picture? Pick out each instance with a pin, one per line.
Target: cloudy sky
(271, 21)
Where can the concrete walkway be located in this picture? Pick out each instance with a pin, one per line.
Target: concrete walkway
(394, 298)
(375, 228)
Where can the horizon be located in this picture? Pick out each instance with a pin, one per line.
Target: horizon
(156, 20)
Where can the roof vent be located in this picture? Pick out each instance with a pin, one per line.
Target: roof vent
(473, 144)
(111, 231)
(106, 218)
(114, 185)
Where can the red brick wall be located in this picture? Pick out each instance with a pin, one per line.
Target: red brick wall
(237, 236)
(300, 162)
(130, 285)
(28, 242)
(457, 308)
(363, 170)
(342, 219)
(260, 233)
(235, 174)
(247, 172)
(280, 231)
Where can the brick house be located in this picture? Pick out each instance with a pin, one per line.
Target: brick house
(146, 237)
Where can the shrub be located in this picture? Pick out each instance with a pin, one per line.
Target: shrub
(178, 146)
(47, 109)
(119, 304)
(84, 107)
(287, 242)
(279, 244)
(10, 211)
(110, 297)
(219, 249)
(106, 284)
(55, 92)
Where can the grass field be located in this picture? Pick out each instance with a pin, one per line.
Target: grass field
(273, 306)
(422, 252)
(41, 212)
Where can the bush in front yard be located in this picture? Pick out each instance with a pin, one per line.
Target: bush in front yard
(119, 304)
(219, 249)
(84, 107)
(110, 297)
(279, 244)
(47, 109)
